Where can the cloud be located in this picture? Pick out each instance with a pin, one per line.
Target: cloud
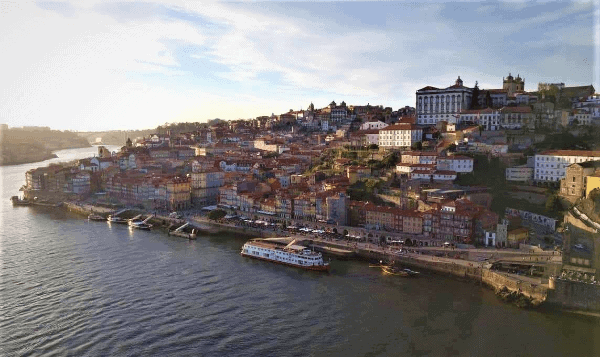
(127, 63)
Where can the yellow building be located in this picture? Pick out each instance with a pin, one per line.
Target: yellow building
(591, 182)
(357, 173)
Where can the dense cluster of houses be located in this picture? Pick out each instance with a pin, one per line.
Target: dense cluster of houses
(263, 165)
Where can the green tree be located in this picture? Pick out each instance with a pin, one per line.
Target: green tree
(553, 204)
(488, 99)
(475, 97)
(216, 214)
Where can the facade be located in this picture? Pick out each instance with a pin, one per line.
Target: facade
(592, 182)
(336, 208)
(462, 164)
(205, 186)
(488, 118)
(550, 166)
(418, 157)
(512, 85)
(521, 173)
(400, 136)
(373, 125)
(178, 193)
(437, 104)
(357, 173)
(574, 182)
(516, 118)
(81, 183)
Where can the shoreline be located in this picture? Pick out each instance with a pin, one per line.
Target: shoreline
(50, 155)
(508, 289)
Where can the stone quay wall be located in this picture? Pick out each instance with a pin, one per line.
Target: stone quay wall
(576, 295)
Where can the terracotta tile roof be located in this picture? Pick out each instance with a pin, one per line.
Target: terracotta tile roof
(571, 153)
(400, 126)
(516, 110)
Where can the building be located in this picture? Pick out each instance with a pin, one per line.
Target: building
(357, 173)
(399, 136)
(512, 85)
(178, 193)
(488, 118)
(550, 166)
(436, 104)
(81, 183)
(205, 186)
(592, 182)
(517, 236)
(337, 207)
(521, 173)
(461, 164)
(419, 157)
(375, 124)
(516, 118)
(574, 182)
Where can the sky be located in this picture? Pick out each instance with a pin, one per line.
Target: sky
(122, 65)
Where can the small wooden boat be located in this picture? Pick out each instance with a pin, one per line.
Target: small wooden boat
(96, 217)
(116, 219)
(139, 224)
(411, 273)
(391, 270)
(16, 201)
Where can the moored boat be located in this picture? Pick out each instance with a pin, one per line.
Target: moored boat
(291, 254)
(391, 270)
(117, 219)
(16, 201)
(96, 217)
(139, 224)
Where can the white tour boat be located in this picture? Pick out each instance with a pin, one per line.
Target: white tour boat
(292, 255)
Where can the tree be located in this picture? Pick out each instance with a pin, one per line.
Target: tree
(475, 98)
(216, 214)
(488, 100)
(417, 146)
(553, 204)
(345, 232)
(128, 143)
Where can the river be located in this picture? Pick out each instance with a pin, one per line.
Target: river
(73, 287)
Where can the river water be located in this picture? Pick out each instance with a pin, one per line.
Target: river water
(73, 287)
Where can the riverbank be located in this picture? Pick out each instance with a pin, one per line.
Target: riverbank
(520, 290)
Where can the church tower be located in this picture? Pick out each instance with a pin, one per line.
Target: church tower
(513, 85)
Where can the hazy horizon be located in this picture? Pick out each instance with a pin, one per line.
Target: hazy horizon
(99, 66)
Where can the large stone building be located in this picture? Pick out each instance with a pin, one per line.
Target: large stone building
(512, 85)
(437, 104)
(574, 183)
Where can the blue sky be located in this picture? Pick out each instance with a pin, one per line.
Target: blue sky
(98, 65)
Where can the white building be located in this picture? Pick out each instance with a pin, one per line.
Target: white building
(582, 116)
(437, 104)
(550, 165)
(461, 164)
(521, 173)
(419, 157)
(376, 124)
(489, 118)
(369, 136)
(400, 136)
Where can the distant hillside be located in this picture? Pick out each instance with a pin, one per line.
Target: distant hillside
(32, 144)
(114, 137)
